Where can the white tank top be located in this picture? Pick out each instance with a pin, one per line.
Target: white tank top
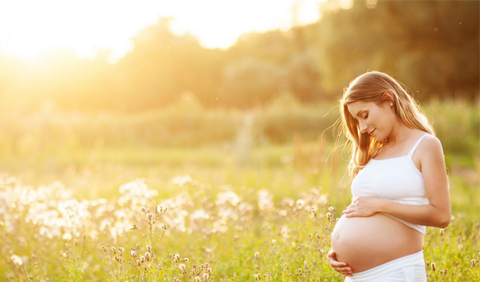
(394, 179)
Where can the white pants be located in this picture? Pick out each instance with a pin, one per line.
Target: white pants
(409, 268)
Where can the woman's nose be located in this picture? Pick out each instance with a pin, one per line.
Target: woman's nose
(363, 128)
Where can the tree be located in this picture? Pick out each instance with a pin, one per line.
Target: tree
(432, 46)
(250, 82)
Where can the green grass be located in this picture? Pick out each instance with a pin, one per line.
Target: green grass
(216, 219)
(219, 229)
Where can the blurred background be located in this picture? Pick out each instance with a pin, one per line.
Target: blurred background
(97, 93)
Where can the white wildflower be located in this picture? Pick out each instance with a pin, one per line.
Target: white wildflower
(16, 260)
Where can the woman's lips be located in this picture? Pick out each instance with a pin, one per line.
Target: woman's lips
(372, 132)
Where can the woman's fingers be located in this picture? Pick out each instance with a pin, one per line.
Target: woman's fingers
(348, 212)
(340, 267)
(344, 270)
(333, 260)
(337, 264)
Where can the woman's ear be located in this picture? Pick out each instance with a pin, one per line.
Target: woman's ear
(389, 98)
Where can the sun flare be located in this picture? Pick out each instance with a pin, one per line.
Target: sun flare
(32, 28)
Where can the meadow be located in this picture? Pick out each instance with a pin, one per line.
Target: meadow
(188, 194)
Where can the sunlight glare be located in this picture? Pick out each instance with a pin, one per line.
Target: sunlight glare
(34, 28)
(228, 20)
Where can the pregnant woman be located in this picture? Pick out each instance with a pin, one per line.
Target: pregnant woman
(399, 184)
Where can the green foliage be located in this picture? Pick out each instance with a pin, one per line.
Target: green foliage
(457, 125)
(250, 82)
(428, 45)
(244, 231)
(431, 46)
(186, 123)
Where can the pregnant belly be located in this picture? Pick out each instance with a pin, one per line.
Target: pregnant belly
(366, 242)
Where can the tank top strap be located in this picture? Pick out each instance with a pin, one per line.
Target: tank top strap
(416, 145)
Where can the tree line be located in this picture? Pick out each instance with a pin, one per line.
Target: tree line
(431, 46)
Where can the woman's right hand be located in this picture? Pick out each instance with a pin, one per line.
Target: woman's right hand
(340, 267)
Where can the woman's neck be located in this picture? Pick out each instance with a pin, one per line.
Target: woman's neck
(399, 134)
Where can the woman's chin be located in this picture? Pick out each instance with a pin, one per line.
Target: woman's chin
(379, 138)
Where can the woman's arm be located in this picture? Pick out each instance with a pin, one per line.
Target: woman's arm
(437, 213)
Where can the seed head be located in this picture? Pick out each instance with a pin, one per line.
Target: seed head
(177, 257)
(473, 262)
(257, 277)
(147, 256)
(197, 279)
(257, 255)
(67, 236)
(133, 253)
(205, 277)
(305, 264)
(160, 209)
(16, 260)
(149, 248)
(433, 266)
(142, 259)
(183, 268)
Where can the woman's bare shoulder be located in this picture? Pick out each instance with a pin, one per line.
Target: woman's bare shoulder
(430, 147)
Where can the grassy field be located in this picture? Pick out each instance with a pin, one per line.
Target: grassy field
(240, 211)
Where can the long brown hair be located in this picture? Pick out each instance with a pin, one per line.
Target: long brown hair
(370, 87)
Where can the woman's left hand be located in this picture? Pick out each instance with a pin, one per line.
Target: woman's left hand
(363, 207)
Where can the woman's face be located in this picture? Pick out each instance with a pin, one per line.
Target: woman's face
(375, 120)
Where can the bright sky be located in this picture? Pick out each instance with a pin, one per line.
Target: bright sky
(31, 28)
